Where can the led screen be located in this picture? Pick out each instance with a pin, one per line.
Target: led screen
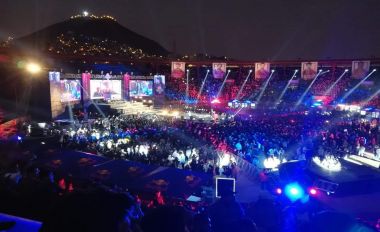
(70, 90)
(105, 89)
(140, 88)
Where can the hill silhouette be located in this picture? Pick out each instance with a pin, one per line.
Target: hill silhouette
(90, 36)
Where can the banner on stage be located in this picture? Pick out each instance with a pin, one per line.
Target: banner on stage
(159, 85)
(360, 69)
(126, 78)
(309, 70)
(262, 70)
(86, 77)
(219, 70)
(178, 69)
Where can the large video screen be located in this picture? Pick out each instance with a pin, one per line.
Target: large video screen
(140, 88)
(105, 89)
(70, 90)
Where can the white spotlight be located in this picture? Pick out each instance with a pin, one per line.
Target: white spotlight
(85, 13)
(346, 70)
(320, 70)
(250, 70)
(296, 70)
(187, 70)
(272, 70)
(33, 68)
(374, 70)
(229, 70)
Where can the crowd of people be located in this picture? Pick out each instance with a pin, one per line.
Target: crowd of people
(185, 144)
(215, 146)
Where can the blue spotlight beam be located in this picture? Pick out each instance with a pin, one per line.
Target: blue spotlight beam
(242, 87)
(203, 84)
(371, 97)
(96, 105)
(263, 89)
(356, 86)
(335, 83)
(224, 81)
(286, 88)
(238, 111)
(307, 90)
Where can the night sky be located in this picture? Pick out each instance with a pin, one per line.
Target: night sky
(241, 29)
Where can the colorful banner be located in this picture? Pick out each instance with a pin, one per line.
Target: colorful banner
(159, 85)
(360, 69)
(86, 77)
(309, 70)
(219, 70)
(178, 69)
(126, 78)
(262, 70)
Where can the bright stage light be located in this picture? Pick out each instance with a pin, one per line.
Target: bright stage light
(272, 162)
(346, 70)
(215, 101)
(33, 68)
(85, 13)
(374, 70)
(329, 163)
(250, 70)
(175, 113)
(296, 70)
(313, 191)
(272, 70)
(279, 191)
(320, 70)
(294, 192)
(229, 70)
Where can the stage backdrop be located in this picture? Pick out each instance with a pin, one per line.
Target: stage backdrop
(178, 69)
(262, 70)
(360, 69)
(309, 70)
(219, 70)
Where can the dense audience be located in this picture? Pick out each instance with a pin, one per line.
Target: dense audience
(68, 203)
(213, 147)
